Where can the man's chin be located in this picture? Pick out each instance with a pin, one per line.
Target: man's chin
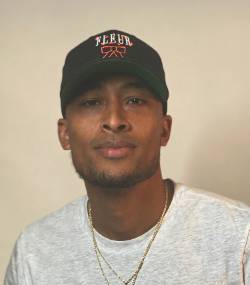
(116, 178)
(112, 182)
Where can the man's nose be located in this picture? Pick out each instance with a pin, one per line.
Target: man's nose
(114, 118)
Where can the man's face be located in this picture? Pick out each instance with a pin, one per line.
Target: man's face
(115, 129)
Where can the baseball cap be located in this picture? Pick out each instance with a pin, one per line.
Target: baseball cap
(112, 51)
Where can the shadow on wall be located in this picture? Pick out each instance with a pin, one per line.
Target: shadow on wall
(219, 158)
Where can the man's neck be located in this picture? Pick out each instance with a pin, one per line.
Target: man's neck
(129, 213)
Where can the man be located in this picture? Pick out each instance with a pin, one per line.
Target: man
(132, 227)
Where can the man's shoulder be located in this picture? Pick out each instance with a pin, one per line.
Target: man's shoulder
(59, 223)
(215, 206)
(215, 199)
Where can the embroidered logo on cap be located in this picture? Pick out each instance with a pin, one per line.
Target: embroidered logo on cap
(113, 45)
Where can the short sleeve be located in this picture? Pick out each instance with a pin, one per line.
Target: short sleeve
(14, 274)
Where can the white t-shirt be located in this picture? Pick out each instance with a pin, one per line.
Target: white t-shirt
(204, 239)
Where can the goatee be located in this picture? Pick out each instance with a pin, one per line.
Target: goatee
(122, 181)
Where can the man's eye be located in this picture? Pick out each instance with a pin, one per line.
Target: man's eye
(135, 101)
(90, 103)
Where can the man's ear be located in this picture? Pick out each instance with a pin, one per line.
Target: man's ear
(166, 129)
(62, 128)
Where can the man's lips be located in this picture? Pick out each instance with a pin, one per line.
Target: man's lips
(115, 149)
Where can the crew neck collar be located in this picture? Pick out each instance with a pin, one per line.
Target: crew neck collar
(135, 242)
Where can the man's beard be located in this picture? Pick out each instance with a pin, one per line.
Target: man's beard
(104, 179)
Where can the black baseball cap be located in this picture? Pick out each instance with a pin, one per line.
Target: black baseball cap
(112, 51)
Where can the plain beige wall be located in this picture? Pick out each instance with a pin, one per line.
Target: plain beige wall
(205, 47)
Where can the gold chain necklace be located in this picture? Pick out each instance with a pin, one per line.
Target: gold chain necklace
(99, 254)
